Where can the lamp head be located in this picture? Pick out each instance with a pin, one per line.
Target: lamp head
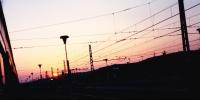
(40, 65)
(64, 38)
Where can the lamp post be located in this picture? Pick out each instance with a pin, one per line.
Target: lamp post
(142, 58)
(40, 65)
(64, 38)
(32, 75)
(106, 60)
(198, 30)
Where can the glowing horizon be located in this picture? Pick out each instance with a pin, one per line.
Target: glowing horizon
(35, 27)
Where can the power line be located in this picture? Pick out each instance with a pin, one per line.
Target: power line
(57, 45)
(135, 33)
(154, 38)
(81, 19)
(157, 24)
(109, 45)
(150, 16)
(124, 28)
(192, 7)
(152, 51)
(78, 36)
(168, 34)
(161, 49)
(143, 29)
(164, 48)
(152, 26)
(35, 46)
(30, 39)
(129, 32)
(147, 27)
(169, 28)
(164, 19)
(148, 41)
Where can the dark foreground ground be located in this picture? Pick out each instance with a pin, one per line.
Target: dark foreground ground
(174, 76)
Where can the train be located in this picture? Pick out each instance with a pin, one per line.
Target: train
(8, 72)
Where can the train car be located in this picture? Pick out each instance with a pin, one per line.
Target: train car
(8, 72)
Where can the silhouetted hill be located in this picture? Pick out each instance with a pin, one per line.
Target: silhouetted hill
(175, 66)
(172, 76)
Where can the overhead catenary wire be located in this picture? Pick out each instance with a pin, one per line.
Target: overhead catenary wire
(148, 41)
(185, 10)
(117, 32)
(57, 45)
(81, 19)
(47, 38)
(152, 52)
(159, 23)
(160, 50)
(154, 38)
(136, 45)
(110, 36)
(147, 27)
(141, 37)
(123, 39)
(111, 44)
(128, 32)
(120, 50)
(123, 29)
(150, 16)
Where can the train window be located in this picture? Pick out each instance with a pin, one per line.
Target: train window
(1, 36)
(2, 79)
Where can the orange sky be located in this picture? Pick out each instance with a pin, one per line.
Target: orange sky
(37, 25)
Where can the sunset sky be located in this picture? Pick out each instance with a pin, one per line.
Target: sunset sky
(115, 28)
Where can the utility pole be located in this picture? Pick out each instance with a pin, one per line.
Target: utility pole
(52, 72)
(185, 41)
(57, 71)
(91, 58)
(64, 66)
